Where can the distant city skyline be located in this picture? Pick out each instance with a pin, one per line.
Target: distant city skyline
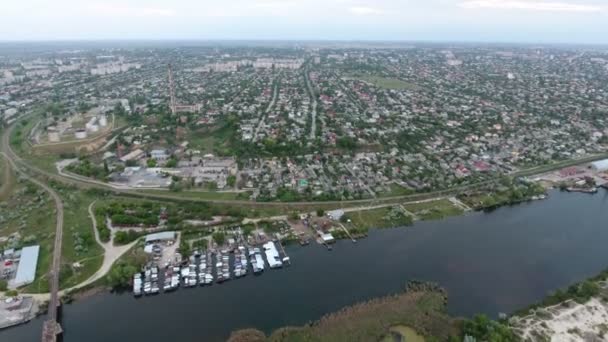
(531, 21)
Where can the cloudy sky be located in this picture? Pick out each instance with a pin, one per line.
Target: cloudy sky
(570, 21)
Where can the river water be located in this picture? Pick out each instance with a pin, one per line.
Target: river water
(489, 263)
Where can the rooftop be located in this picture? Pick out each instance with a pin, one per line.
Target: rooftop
(26, 271)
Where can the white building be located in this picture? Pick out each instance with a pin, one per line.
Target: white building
(600, 165)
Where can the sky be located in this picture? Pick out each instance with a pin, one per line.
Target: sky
(531, 21)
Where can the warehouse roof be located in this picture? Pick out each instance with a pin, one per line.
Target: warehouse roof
(600, 165)
(26, 271)
(160, 236)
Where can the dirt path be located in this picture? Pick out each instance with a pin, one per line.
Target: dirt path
(111, 253)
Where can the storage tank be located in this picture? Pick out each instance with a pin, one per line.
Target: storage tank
(91, 122)
(80, 134)
(53, 134)
(103, 121)
(94, 128)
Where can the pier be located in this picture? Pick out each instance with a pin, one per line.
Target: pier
(285, 256)
(347, 233)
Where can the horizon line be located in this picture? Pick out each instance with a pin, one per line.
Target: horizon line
(303, 40)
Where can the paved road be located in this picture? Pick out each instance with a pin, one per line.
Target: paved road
(49, 333)
(275, 95)
(88, 183)
(313, 101)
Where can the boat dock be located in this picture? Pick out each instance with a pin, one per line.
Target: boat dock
(16, 310)
(286, 259)
(212, 266)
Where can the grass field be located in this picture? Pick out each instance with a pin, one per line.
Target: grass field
(389, 83)
(420, 312)
(433, 210)
(396, 190)
(216, 140)
(29, 212)
(377, 218)
(79, 245)
(206, 195)
(7, 179)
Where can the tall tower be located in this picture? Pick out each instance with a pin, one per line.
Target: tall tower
(172, 90)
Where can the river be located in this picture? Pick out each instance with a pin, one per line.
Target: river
(489, 262)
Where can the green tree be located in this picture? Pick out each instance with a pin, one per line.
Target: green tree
(151, 162)
(121, 273)
(125, 237)
(219, 238)
(171, 163)
(184, 249)
(484, 329)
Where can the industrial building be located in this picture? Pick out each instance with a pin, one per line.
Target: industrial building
(26, 270)
(158, 237)
(600, 165)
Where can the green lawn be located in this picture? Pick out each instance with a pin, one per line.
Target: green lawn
(433, 210)
(216, 140)
(389, 83)
(205, 195)
(377, 218)
(396, 190)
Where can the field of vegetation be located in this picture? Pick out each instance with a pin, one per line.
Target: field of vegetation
(377, 218)
(26, 219)
(81, 256)
(433, 210)
(389, 83)
(421, 311)
(509, 192)
(206, 195)
(7, 179)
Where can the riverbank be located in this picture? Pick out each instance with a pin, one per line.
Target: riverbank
(362, 220)
(576, 313)
(558, 241)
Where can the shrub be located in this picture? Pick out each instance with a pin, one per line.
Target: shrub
(124, 237)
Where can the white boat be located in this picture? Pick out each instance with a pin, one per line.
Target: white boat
(137, 283)
(272, 255)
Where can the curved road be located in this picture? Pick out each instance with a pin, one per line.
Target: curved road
(89, 183)
(110, 255)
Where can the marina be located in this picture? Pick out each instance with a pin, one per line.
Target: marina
(199, 268)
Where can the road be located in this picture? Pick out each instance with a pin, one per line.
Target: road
(313, 101)
(346, 210)
(88, 183)
(275, 95)
(111, 253)
(50, 325)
